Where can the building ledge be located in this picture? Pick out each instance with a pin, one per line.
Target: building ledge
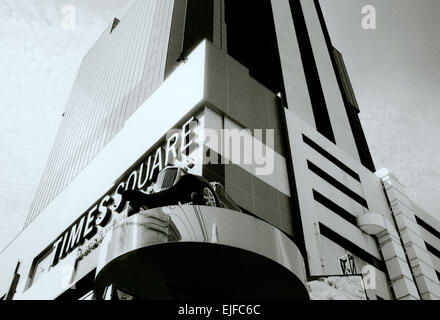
(197, 252)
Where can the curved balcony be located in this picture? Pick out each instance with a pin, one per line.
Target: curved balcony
(194, 252)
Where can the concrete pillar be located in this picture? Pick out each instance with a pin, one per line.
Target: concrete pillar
(418, 256)
(396, 263)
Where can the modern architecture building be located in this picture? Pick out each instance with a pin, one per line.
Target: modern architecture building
(251, 96)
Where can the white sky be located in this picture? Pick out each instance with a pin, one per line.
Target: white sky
(395, 72)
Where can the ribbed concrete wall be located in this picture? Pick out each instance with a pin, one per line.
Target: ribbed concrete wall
(117, 75)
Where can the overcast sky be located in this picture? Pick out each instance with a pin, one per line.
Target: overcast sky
(395, 72)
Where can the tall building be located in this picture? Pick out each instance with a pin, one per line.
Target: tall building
(237, 122)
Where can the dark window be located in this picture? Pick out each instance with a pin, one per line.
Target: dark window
(344, 214)
(438, 275)
(433, 250)
(252, 41)
(338, 185)
(331, 158)
(166, 178)
(351, 247)
(360, 140)
(319, 106)
(198, 23)
(428, 227)
(346, 83)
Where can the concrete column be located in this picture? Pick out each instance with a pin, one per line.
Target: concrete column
(219, 36)
(420, 261)
(396, 263)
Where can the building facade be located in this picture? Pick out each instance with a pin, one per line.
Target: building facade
(251, 96)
